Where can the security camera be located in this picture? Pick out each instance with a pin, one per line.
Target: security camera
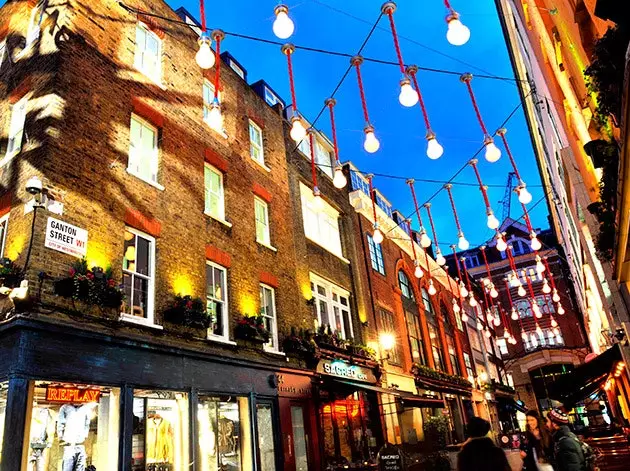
(34, 186)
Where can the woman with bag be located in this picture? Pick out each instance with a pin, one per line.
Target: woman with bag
(537, 449)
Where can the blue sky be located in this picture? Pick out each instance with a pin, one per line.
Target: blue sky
(342, 26)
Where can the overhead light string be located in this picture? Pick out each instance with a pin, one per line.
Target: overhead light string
(431, 290)
(524, 196)
(215, 117)
(339, 179)
(318, 202)
(439, 258)
(370, 144)
(555, 296)
(283, 25)
(534, 303)
(521, 291)
(457, 34)
(515, 316)
(434, 148)
(377, 236)
(492, 153)
(298, 131)
(493, 223)
(204, 57)
(534, 242)
(463, 291)
(456, 307)
(462, 243)
(471, 296)
(425, 241)
(491, 288)
(416, 263)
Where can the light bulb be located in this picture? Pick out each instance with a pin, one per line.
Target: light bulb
(441, 261)
(556, 331)
(521, 291)
(456, 307)
(497, 322)
(524, 336)
(377, 237)
(538, 329)
(524, 196)
(457, 33)
(408, 96)
(492, 151)
(318, 201)
(371, 143)
(215, 117)
(489, 317)
(488, 333)
(560, 309)
(536, 310)
(546, 288)
(339, 180)
(493, 222)
(493, 292)
(554, 323)
(418, 271)
(540, 266)
(472, 301)
(501, 244)
(514, 315)
(425, 242)
(432, 290)
(434, 148)
(556, 296)
(298, 131)
(506, 335)
(479, 326)
(283, 26)
(205, 55)
(464, 317)
(462, 290)
(535, 243)
(463, 244)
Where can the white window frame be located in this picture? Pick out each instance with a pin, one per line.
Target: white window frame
(503, 348)
(331, 290)
(34, 24)
(4, 221)
(321, 226)
(259, 202)
(226, 325)
(237, 69)
(376, 255)
(273, 319)
(271, 97)
(149, 318)
(3, 51)
(259, 146)
(323, 157)
(153, 154)
(220, 195)
(16, 129)
(139, 55)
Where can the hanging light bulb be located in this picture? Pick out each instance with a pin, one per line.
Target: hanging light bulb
(318, 201)
(501, 244)
(514, 314)
(425, 241)
(546, 288)
(298, 131)
(524, 336)
(441, 261)
(538, 329)
(462, 243)
(339, 180)
(457, 33)
(434, 148)
(524, 196)
(215, 117)
(489, 317)
(560, 309)
(497, 321)
(377, 237)
(536, 309)
(556, 332)
(506, 335)
(492, 151)
(418, 271)
(463, 291)
(432, 291)
(493, 292)
(479, 325)
(488, 333)
(535, 243)
(464, 317)
(521, 291)
(371, 143)
(283, 26)
(554, 323)
(512, 340)
(493, 222)
(408, 96)
(205, 56)
(456, 307)
(540, 266)
(556, 296)
(472, 301)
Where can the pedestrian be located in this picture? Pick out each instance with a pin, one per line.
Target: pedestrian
(568, 454)
(537, 449)
(479, 452)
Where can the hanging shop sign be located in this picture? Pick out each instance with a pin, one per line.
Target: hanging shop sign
(345, 370)
(72, 395)
(390, 459)
(66, 238)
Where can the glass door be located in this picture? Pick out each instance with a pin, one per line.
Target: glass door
(300, 438)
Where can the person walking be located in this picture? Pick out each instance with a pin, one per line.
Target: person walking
(537, 449)
(479, 452)
(568, 454)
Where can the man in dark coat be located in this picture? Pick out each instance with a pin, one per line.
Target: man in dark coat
(568, 455)
(479, 452)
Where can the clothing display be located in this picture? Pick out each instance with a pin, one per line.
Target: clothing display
(159, 439)
(42, 433)
(74, 458)
(73, 423)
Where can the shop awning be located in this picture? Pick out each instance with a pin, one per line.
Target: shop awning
(586, 379)
(408, 399)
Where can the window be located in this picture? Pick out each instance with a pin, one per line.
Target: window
(305, 147)
(215, 203)
(143, 150)
(519, 247)
(32, 34)
(415, 338)
(323, 158)
(472, 261)
(405, 285)
(4, 221)
(458, 320)
(216, 300)
(239, 71)
(266, 445)
(469, 370)
(268, 312)
(376, 255)
(428, 305)
(271, 97)
(531, 273)
(503, 348)
(436, 347)
(388, 326)
(256, 143)
(16, 128)
(332, 304)
(262, 221)
(320, 226)
(383, 204)
(524, 308)
(148, 58)
(452, 354)
(138, 275)
(3, 51)
(358, 182)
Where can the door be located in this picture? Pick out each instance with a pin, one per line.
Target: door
(300, 438)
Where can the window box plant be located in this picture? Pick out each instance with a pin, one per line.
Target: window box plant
(424, 371)
(188, 312)
(252, 329)
(361, 350)
(10, 274)
(301, 343)
(329, 340)
(93, 286)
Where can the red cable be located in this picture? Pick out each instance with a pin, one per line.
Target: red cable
(420, 100)
(448, 4)
(426, 259)
(459, 271)
(217, 66)
(331, 103)
(507, 286)
(529, 285)
(291, 84)
(485, 259)
(509, 153)
(527, 220)
(467, 280)
(473, 164)
(549, 273)
(450, 197)
(313, 170)
(474, 103)
(357, 64)
(373, 196)
(415, 202)
(435, 239)
(413, 246)
(396, 44)
(202, 13)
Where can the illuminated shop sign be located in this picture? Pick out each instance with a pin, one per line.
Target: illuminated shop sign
(344, 370)
(72, 395)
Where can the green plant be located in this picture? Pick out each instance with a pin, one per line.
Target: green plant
(360, 349)
(301, 342)
(10, 273)
(94, 286)
(326, 337)
(252, 328)
(188, 311)
(436, 430)
(425, 371)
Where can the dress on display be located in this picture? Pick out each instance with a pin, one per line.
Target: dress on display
(160, 439)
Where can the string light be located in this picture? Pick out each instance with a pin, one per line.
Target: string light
(493, 223)
(501, 244)
(554, 323)
(457, 34)
(462, 243)
(456, 308)
(488, 333)
(370, 144)
(439, 258)
(546, 288)
(540, 267)
(204, 57)
(560, 309)
(432, 291)
(339, 179)
(283, 26)
(425, 241)
(298, 131)
(318, 201)
(492, 290)
(556, 297)
(377, 235)
(434, 148)
(524, 196)
(417, 271)
(492, 151)
(471, 296)
(534, 242)
(215, 117)
(463, 292)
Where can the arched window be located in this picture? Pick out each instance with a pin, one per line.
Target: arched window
(434, 333)
(426, 299)
(405, 285)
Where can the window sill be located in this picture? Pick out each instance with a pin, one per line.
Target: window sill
(149, 182)
(221, 133)
(143, 321)
(273, 351)
(218, 339)
(222, 221)
(151, 79)
(270, 247)
(340, 257)
(262, 165)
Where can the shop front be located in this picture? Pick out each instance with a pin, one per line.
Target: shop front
(74, 400)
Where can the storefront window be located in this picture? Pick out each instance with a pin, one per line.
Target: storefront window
(299, 438)
(265, 437)
(160, 431)
(3, 408)
(225, 440)
(72, 427)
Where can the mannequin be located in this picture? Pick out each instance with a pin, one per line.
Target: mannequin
(159, 438)
(42, 432)
(73, 426)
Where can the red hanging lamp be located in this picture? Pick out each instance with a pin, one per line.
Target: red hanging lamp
(524, 196)
(439, 258)
(462, 243)
(215, 116)
(418, 273)
(425, 241)
(377, 235)
(205, 58)
(339, 179)
(493, 223)
(457, 34)
(371, 143)
(298, 131)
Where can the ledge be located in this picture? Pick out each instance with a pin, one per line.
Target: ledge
(222, 221)
(267, 246)
(143, 321)
(148, 182)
